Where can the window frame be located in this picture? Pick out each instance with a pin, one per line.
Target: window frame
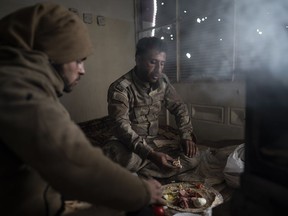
(233, 75)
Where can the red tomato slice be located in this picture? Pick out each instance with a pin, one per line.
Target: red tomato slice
(158, 210)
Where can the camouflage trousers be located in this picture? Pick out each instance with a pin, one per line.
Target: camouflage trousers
(207, 166)
(120, 154)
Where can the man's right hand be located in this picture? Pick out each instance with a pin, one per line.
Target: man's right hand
(162, 160)
(155, 189)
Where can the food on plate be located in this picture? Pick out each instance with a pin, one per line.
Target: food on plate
(177, 163)
(199, 201)
(185, 198)
(169, 197)
(190, 197)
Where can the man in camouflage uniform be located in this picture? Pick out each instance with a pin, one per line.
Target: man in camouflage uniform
(134, 104)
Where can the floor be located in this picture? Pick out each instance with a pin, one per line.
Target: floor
(222, 210)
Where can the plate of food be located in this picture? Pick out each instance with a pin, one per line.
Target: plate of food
(191, 197)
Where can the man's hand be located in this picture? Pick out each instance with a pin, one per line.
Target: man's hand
(189, 147)
(162, 160)
(155, 189)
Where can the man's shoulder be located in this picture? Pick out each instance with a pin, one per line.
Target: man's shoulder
(165, 78)
(164, 82)
(123, 82)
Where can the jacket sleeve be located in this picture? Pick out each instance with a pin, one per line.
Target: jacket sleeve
(118, 109)
(179, 109)
(48, 141)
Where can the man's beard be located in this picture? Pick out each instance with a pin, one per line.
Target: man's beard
(67, 86)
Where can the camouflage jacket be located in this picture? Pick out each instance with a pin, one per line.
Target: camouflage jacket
(135, 106)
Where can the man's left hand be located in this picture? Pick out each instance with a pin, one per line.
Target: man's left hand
(189, 147)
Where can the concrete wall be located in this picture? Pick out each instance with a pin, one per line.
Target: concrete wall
(217, 109)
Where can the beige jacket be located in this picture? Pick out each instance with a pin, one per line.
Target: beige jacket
(43, 153)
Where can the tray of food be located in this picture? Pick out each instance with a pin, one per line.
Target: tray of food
(192, 197)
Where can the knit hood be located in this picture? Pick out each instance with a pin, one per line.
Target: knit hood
(48, 28)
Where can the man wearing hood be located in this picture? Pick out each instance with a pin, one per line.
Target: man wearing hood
(43, 153)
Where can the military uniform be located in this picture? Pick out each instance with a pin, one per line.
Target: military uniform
(135, 106)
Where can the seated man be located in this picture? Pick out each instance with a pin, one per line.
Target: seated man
(134, 103)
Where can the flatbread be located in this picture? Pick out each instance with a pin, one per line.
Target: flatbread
(171, 195)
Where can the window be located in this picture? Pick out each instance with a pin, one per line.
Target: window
(200, 35)
(216, 39)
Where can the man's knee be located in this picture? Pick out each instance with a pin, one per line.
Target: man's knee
(116, 151)
(120, 154)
